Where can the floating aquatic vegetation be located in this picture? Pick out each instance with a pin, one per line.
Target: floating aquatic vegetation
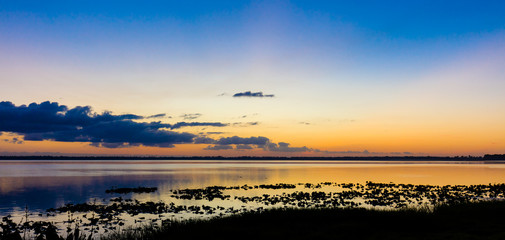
(109, 215)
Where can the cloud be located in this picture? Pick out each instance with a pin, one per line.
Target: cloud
(14, 141)
(111, 145)
(245, 124)
(252, 94)
(218, 147)
(118, 133)
(243, 147)
(197, 124)
(204, 140)
(55, 122)
(284, 147)
(248, 143)
(259, 141)
(266, 144)
(215, 132)
(51, 121)
(191, 116)
(305, 123)
(158, 116)
(250, 115)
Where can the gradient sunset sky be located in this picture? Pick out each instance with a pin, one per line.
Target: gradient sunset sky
(269, 78)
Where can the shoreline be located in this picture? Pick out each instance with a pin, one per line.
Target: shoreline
(485, 158)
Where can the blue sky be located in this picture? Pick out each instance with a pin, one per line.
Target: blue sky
(379, 75)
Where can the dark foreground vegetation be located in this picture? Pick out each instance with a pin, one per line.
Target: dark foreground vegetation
(306, 211)
(477, 220)
(482, 220)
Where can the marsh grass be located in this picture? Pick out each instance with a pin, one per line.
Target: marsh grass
(482, 220)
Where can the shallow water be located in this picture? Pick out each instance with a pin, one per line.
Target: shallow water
(49, 184)
(40, 185)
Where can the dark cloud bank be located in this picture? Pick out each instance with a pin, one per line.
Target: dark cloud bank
(253, 94)
(241, 143)
(55, 122)
(266, 144)
(51, 121)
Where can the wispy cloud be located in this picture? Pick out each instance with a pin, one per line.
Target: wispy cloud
(245, 124)
(197, 124)
(248, 115)
(161, 115)
(191, 116)
(211, 133)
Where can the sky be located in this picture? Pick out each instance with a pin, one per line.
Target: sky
(252, 78)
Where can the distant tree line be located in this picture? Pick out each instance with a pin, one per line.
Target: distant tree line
(494, 157)
(371, 158)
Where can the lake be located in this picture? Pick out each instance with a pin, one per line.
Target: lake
(40, 185)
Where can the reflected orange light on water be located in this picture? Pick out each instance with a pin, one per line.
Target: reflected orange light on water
(17, 176)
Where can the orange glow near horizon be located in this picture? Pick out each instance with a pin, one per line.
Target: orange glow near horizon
(336, 82)
(376, 143)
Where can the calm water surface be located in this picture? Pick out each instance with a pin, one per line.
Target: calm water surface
(49, 184)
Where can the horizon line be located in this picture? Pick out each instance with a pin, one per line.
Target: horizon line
(34, 157)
